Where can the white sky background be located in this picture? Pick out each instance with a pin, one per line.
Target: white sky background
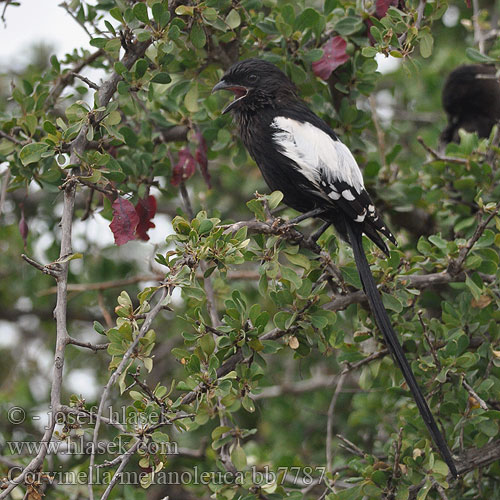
(36, 21)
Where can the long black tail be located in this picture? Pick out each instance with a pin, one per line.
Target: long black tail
(384, 323)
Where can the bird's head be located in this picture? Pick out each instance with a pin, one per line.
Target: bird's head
(256, 84)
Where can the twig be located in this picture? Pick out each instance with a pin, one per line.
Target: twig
(474, 395)
(427, 338)
(88, 345)
(455, 266)
(397, 454)
(350, 446)
(478, 32)
(438, 487)
(418, 22)
(45, 269)
(115, 375)
(299, 387)
(439, 157)
(105, 285)
(186, 200)
(61, 339)
(109, 192)
(13, 139)
(7, 3)
(67, 78)
(237, 358)
(104, 310)
(378, 129)
(65, 6)
(84, 413)
(3, 192)
(84, 79)
(329, 424)
(126, 457)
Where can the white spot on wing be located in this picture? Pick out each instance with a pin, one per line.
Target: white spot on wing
(334, 195)
(316, 153)
(348, 195)
(360, 218)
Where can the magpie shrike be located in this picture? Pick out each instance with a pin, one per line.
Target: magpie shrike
(471, 99)
(300, 155)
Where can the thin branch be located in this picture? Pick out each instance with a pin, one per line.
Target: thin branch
(124, 461)
(7, 3)
(351, 447)
(439, 489)
(44, 269)
(88, 345)
(80, 412)
(478, 32)
(116, 374)
(61, 338)
(5, 185)
(13, 139)
(437, 156)
(186, 200)
(65, 6)
(427, 338)
(473, 394)
(329, 424)
(299, 387)
(418, 22)
(456, 265)
(67, 78)
(378, 128)
(84, 79)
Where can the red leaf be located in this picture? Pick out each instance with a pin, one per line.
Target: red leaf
(146, 210)
(184, 168)
(334, 55)
(201, 157)
(125, 221)
(381, 7)
(23, 227)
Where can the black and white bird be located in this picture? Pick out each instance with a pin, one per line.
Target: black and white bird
(300, 155)
(471, 99)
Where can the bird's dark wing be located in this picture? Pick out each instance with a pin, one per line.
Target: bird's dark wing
(330, 168)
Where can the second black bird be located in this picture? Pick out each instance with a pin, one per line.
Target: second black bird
(300, 155)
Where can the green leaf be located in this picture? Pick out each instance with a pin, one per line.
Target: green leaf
(163, 78)
(238, 457)
(308, 18)
(274, 199)
(141, 67)
(351, 276)
(476, 56)
(197, 36)
(348, 25)
(248, 404)
(141, 12)
(426, 44)
(135, 395)
(160, 14)
(233, 19)
(391, 302)
(32, 153)
(207, 344)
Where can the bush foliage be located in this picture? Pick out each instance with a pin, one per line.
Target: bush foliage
(237, 342)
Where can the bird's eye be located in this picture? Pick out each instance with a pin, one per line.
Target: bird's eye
(253, 78)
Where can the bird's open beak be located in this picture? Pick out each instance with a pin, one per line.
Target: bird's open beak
(239, 91)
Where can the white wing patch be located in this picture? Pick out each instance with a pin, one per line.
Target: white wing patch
(318, 156)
